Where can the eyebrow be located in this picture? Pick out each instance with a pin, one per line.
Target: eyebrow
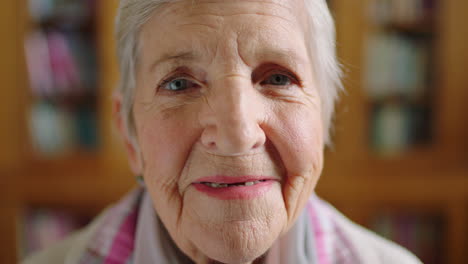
(174, 58)
(287, 55)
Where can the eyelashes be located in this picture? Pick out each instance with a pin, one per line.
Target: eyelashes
(177, 84)
(269, 75)
(178, 81)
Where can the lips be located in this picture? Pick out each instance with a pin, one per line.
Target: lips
(228, 188)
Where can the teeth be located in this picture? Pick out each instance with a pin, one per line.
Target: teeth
(224, 185)
(249, 183)
(217, 185)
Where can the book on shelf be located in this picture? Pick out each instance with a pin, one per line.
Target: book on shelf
(56, 130)
(401, 12)
(60, 63)
(390, 133)
(422, 234)
(396, 66)
(51, 129)
(42, 227)
(397, 126)
(397, 83)
(68, 11)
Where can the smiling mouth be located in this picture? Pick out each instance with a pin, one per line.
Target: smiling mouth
(230, 188)
(227, 185)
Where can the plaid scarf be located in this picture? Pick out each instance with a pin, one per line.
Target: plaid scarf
(114, 240)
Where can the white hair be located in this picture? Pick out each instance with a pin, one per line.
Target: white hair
(133, 14)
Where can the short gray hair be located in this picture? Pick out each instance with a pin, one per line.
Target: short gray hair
(133, 14)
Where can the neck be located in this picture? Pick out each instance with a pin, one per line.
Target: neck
(259, 260)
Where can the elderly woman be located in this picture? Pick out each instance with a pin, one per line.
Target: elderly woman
(224, 108)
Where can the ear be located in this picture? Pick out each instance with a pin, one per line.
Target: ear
(133, 154)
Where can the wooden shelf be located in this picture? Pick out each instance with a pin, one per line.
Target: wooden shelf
(422, 28)
(71, 190)
(400, 186)
(79, 160)
(80, 178)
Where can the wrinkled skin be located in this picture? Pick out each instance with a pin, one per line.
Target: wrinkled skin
(231, 118)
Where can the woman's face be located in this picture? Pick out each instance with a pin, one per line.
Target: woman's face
(228, 121)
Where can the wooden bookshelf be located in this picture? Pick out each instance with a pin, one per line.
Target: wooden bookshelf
(359, 183)
(425, 178)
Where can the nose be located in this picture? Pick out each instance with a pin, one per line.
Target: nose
(232, 118)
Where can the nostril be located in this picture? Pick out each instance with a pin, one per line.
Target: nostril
(208, 137)
(257, 145)
(260, 138)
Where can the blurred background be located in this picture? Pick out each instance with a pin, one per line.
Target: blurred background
(399, 165)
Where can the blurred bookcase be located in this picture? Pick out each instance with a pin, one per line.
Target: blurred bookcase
(62, 163)
(60, 52)
(399, 163)
(400, 78)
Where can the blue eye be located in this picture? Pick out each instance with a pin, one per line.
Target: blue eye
(277, 79)
(177, 85)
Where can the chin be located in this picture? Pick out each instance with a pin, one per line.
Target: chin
(233, 259)
(235, 251)
(241, 242)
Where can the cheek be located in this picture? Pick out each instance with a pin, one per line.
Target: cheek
(162, 146)
(165, 141)
(298, 136)
(165, 136)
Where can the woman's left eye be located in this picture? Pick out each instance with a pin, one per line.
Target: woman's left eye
(277, 79)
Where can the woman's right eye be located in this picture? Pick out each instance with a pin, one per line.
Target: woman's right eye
(178, 85)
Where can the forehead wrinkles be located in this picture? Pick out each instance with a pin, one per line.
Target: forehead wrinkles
(222, 29)
(217, 10)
